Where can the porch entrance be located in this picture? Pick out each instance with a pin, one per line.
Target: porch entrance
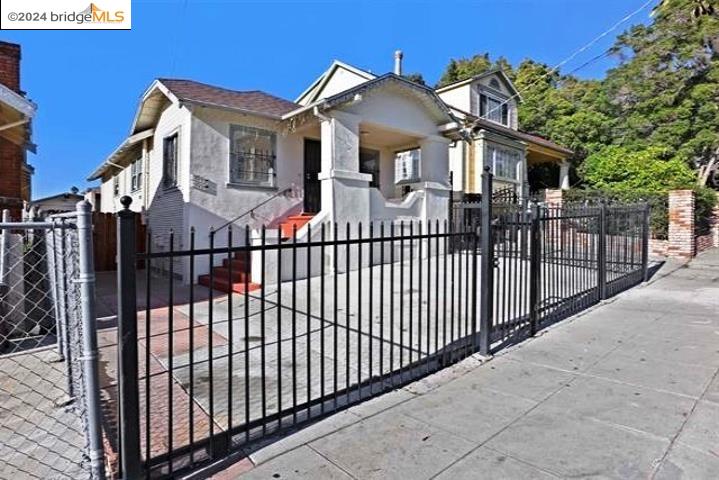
(313, 192)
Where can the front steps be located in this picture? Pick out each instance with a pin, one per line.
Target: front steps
(226, 279)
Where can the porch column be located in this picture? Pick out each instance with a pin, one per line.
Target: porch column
(434, 172)
(564, 175)
(345, 192)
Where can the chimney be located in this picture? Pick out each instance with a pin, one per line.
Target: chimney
(10, 65)
(398, 62)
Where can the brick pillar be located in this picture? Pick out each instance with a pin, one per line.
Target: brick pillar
(554, 197)
(12, 157)
(681, 224)
(10, 65)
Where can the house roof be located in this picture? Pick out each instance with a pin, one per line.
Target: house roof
(311, 93)
(120, 156)
(16, 113)
(493, 71)
(478, 122)
(251, 101)
(350, 94)
(59, 196)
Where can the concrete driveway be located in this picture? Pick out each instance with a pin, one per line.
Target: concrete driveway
(628, 389)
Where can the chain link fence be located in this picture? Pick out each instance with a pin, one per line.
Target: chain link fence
(49, 416)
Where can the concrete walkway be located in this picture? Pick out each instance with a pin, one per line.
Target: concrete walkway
(628, 389)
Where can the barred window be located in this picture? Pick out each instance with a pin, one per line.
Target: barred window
(252, 155)
(116, 185)
(504, 162)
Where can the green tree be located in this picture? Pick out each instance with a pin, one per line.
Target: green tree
(624, 170)
(415, 77)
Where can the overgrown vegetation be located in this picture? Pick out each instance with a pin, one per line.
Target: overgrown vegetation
(664, 93)
(651, 125)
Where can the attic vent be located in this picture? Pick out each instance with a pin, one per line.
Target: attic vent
(494, 83)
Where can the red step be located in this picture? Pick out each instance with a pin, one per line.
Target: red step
(237, 274)
(224, 284)
(294, 221)
(238, 264)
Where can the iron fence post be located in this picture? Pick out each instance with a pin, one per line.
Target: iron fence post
(86, 279)
(129, 399)
(602, 252)
(534, 268)
(645, 243)
(487, 266)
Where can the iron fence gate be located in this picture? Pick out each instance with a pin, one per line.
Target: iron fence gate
(49, 404)
(291, 328)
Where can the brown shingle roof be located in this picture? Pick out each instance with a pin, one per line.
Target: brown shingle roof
(253, 101)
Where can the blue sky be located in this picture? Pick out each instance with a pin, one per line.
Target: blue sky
(87, 84)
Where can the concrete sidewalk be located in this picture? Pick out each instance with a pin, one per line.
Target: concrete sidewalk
(628, 389)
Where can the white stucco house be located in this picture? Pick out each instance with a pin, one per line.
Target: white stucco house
(353, 147)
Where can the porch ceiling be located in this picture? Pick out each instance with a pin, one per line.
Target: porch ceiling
(538, 154)
(377, 136)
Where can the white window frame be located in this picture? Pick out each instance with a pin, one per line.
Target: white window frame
(116, 185)
(407, 166)
(269, 180)
(497, 98)
(136, 174)
(491, 152)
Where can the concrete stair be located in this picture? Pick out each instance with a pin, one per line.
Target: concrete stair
(226, 279)
(298, 221)
(234, 272)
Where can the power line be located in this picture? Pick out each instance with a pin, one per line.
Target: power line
(574, 54)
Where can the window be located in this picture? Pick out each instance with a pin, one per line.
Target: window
(369, 163)
(116, 185)
(406, 165)
(136, 175)
(252, 155)
(504, 162)
(493, 109)
(169, 161)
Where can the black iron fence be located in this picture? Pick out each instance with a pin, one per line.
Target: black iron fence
(291, 329)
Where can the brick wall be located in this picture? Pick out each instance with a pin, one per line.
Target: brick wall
(681, 242)
(10, 65)
(12, 157)
(554, 197)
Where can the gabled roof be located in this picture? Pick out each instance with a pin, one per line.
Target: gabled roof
(251, 101)
(494, 71)
(350, 94)
(119, 157)
(311, 93)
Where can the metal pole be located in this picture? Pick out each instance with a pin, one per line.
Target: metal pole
(127, 345)
(487, 266)
(534, 268)
(4, 287)
(55, 272)
(602, 253)
(645, 243)
(86, 279)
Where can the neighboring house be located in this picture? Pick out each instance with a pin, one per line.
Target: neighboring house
(16, 114)
(60, 203)
(353, 147)
(488, 104)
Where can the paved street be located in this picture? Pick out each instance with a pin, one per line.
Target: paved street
(628, 389)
